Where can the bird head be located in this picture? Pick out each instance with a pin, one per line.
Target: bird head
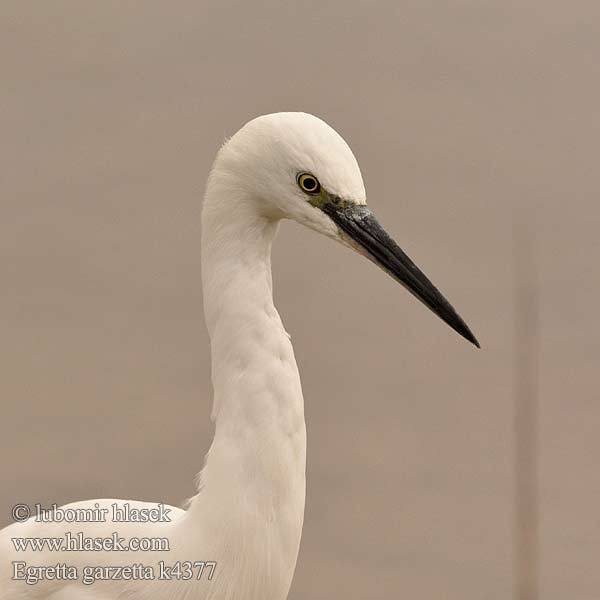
(293, 165)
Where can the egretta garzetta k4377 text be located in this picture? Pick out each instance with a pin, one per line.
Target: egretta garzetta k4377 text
(248, 513)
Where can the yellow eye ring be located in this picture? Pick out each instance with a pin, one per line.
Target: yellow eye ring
(308, 183)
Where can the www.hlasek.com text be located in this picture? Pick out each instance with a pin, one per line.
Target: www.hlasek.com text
(78, 542)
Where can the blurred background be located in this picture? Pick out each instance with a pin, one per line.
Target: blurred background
(465, 116)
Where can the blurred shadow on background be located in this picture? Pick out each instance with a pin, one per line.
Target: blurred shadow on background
(526, 425)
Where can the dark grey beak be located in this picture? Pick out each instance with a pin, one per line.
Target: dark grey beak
(362, 228)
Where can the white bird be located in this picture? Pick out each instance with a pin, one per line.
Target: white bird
(248, 514)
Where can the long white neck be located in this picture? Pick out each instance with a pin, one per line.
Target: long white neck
(251, 502)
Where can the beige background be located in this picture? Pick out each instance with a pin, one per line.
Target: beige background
(460, 113)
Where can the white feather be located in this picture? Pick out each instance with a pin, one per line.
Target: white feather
(248, 513)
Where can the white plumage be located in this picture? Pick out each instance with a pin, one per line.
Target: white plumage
(248, 513)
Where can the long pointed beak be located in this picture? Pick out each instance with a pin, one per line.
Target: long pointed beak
(364, 232)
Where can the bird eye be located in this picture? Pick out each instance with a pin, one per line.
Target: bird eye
(309, 183)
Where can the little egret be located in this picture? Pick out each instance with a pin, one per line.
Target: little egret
(248, 513)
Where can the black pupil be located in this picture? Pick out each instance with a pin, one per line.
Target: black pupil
(310, 183)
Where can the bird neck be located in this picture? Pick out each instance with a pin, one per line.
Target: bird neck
(253, 484)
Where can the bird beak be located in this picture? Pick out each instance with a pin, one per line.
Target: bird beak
(363, 232)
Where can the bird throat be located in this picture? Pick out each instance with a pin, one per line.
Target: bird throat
(253, 483)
